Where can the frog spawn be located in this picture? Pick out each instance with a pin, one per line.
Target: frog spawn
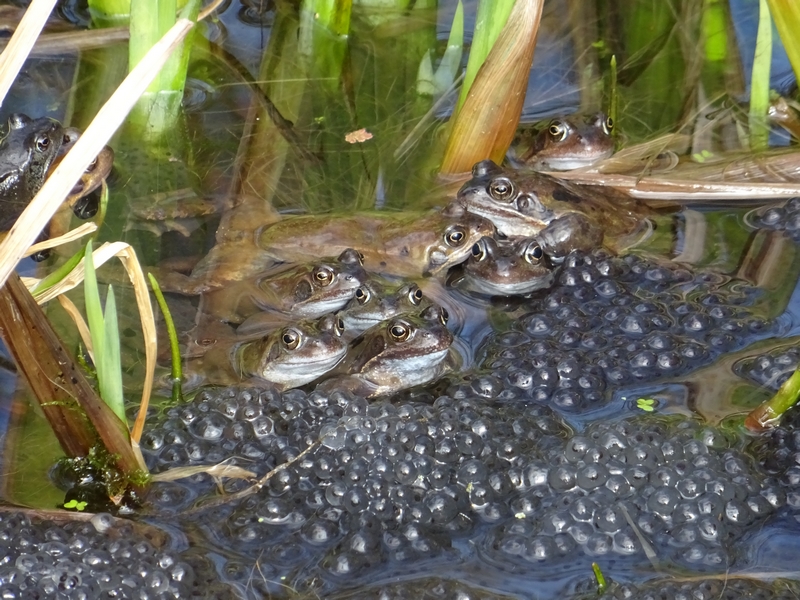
(102, 557)
(593, 331)
(392, 484)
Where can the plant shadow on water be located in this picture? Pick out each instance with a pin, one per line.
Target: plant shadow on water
(597, 420)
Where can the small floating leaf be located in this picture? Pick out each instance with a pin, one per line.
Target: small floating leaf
(646, 404)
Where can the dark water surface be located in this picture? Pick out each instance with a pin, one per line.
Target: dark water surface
(508, 479)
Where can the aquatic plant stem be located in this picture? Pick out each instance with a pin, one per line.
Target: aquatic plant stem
(177, 368)
(759, 80)
(15, 54)
(767, 413)
(108, 119)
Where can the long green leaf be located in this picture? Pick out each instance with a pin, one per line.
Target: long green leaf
(59, 274)
(759, 80)
(110, 377)
(177, 368)
(94, 310)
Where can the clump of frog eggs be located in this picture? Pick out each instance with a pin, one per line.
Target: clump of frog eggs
(100, 558)
(615, 321)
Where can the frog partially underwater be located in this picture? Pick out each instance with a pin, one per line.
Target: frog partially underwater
(377, 301)
(561, 216)
(399, 244)
(514, 268)
(566, 143)
(402, 352)
(305, 290)
(290, 356)
(31, 149)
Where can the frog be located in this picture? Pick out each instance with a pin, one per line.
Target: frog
(396, 354)
(377, 300)
(567, 143)
(532, 204)
(307, 290)
(512, 269)
(26, 154)
(400, 244)
(407, 244)
(83, 205)
(288, 357)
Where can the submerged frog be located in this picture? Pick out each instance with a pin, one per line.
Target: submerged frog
(397, 354)
(568, 143)
(289, 357)
(375, 302)
(307, 290)
(534, 204)
(402, 244)
(517, 268)
(26, 153)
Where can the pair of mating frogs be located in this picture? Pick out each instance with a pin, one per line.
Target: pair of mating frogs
(29, 151)
(507, 230)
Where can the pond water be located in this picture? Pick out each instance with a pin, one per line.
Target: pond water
(598, 420)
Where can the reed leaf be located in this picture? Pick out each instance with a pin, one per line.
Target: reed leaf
(759, 80)
(489, 22)
(786, 14)
(486, 124)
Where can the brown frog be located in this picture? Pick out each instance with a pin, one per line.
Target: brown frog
(289, 357)
(567, 143)
(396, 354)
(401, 244)
(307, 290)
(560, 215)
(376, 301)
(516, 268)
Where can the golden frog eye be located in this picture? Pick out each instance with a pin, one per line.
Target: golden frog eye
(455, 236)
(42, 143)
(339, 328)
(400, 332)
(501, 189)
(534, 253)
(608, 125)
(415, 295)
(444, 316)
(362, 295)
(291, 339)
(558, 131)
(323, 276)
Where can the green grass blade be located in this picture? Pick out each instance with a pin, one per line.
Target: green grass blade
(110, 378)
(56, 276)
(759, 80)
(94, 311)
(177, 368)
(451, 61)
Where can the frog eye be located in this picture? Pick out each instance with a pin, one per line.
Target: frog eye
(608, 125)
(400, 332)
(501, 189)
(291, 338)
(323, 276)
(558, 131)
(415, 295)
(534, 253)
(338, 328)
(455, 236)
(42, 143)
(479, 250)
(362, 295)
(92, 166)
(444, 316)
